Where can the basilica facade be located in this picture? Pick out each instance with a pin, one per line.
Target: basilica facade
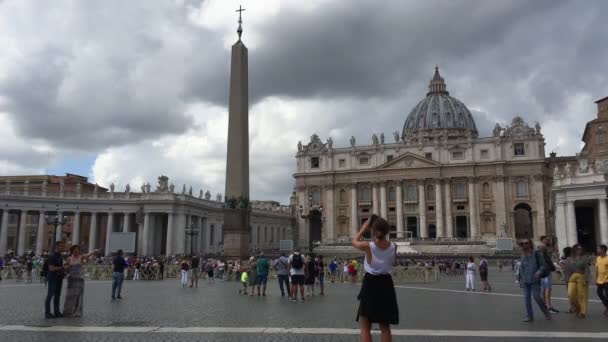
(435, 179)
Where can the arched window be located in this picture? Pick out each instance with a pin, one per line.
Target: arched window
(486, 190)
(342, 196)
(521, 189)
(410, 193)
(366, 195)
(316, 197)
(392, 196)
(430, 193)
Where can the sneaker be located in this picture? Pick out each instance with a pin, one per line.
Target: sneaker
(553, 311)
(119, 297)
(58, 314)
(301, 299)
(294, 300)
(49, 316)
(528, 319)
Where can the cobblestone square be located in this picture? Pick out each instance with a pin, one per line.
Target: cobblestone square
(163, 311)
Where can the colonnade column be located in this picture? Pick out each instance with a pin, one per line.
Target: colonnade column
(93, 233)
(76, 229)
(4, 232)
(375, 204)
(21, 236)
(383, 201)
(540, 228)
(59, 235)
(424, 233)
(571, 224)
(449, 221)
(354, 224)
(126, 223)
(40, 233)
(399, 209)
(109, 230)
(170, 233)
(603, 221)
(180, 246)
(439, 209)
(146, 235)
(473, 216)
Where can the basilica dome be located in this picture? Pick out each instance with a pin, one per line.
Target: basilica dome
(439, 111)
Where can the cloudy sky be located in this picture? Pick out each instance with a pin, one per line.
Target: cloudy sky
(124, 91)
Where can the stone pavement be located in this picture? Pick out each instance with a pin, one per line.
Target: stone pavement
(163, 311)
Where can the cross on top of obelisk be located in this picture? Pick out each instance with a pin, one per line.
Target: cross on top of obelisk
(240, 29)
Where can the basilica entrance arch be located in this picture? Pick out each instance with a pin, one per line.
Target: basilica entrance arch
(522, 219)
(316, 226)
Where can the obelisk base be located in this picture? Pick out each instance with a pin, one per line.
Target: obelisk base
(236, 234)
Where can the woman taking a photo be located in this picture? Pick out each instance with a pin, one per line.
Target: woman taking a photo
(377, 298)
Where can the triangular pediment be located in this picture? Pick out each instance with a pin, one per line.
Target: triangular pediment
(408, 160)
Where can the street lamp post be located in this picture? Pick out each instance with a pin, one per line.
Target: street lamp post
(192, 231)
(56, 221)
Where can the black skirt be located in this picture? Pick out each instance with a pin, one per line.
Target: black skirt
(378, 300)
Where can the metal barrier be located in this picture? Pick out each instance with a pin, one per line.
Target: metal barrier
(401, 274)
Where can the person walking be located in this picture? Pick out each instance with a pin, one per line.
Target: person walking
(578, 284)
(531, 270)
(310, 276)
(296, 270)
(118, 275)
(72, 307)
(483, 275)
(196, 271)
(321, 275)
(601, 269)
(56, 272)
(136, 274)
(263, 266)
(282, 268)
(547, 248)
(377, 298)
(185, 267)
(471, 269)
(252, 269)
(333, 267)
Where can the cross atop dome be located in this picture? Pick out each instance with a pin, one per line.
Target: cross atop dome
(437, 84)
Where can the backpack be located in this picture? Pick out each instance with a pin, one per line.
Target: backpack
(296, 261)
(548, 261)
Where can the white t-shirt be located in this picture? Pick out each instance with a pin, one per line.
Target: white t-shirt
(294, 271)
(471, 268)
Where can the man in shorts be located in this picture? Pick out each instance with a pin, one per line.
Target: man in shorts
(262, 274)
(296, 270)
(547, 249)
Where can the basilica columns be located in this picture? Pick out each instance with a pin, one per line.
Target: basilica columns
(449, 227)
(571, 224)
(499, 200)
(329, 210)
(561, 225)
(354, 224)
(93, 233)
(424, 232)
(439, 209)
(399, 210)
(473, 216)
(383, 202)
(603, 221)
(40, 233)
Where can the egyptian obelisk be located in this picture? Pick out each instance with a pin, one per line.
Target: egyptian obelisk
(236, 214)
